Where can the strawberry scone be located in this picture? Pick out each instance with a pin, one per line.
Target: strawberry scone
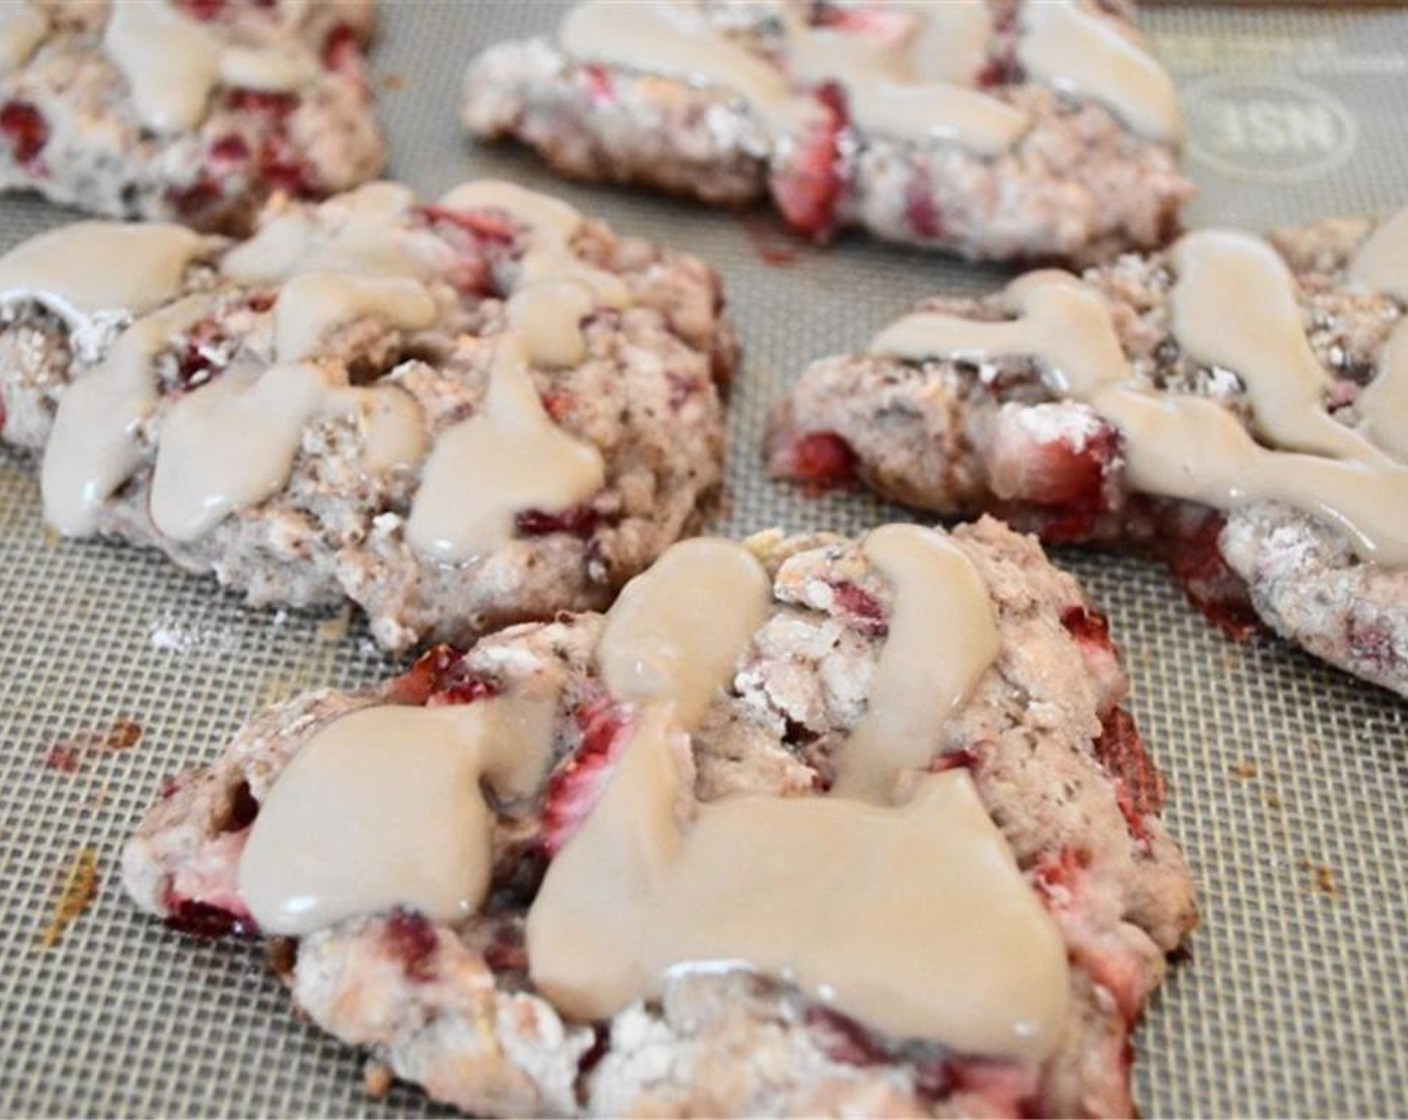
(1238, 406)
(194, 111)
(993, 129)
(806, 826)
(457, 415)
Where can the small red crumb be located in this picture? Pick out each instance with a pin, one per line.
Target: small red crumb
(965, 758)
(1087, 627)
(67, 756)
(771, 242)
(920, 210)
(79, 889)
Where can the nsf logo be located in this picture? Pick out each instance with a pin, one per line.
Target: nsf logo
(1267, 130)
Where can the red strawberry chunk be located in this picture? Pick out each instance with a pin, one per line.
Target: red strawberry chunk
(24, 129)
(818, 458)
(920, 209)
(1188, 545)
(488, 225)
(601, 87)
(412, 940)
(577, 521)
(862, 609)
(341, 51)
(1052, 455)
(1090, 628)
(887, 26)
(809, 186)
(577, 783)
(1139, 786)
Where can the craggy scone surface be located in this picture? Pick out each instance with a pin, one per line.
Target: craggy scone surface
(1279, 768)
(1056, 761)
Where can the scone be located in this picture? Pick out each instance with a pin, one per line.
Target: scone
(811, 826)
(993, 129)
(194, 111)
(456, 415)
(1236, 405)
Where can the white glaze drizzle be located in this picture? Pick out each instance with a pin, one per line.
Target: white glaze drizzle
(173, 63)
(1382, 261)
(383, 808)
(1184, 446)
(89, 267)
(677, 630)
(835, 895)
(554, 290)
(231, 443)
(1081, 51)
(313, 304)
(508, 457)
(93, 447)
(366, 231)
(942, 638)
(22, 29)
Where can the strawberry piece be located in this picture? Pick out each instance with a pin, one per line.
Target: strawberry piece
(191, 200)
(842, 1039)
(1372, 641)
(808, 187)
(440, 678)
(862, 608)
(341, 50)
(920, 209)
(601, 87)
(25, 130)
(1056, 875)
(577, 521)
(487, 225)
(1089, 628)
(201, 919)
(889, 27)
(1139, 786)
(228, 152)
(819, 458)
(965, 758)
(412, 940)
(268, 102)
(1187, 542)
(577, 783)
(1061, 458)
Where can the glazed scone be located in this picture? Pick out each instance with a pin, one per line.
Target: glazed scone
(993, 129)
(456, 415)
(814, 826)
(1238, 406)
(194, 111)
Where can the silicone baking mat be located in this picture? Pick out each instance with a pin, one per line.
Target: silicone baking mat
(1287, 779)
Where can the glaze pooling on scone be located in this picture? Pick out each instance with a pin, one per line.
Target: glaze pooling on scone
(90, 267)
(554, 290)
(1081, 51)
(93, 448)
(676, 632)
(384, 808)
(22, 26)
(886, 95)
(941, 639)
(509, 456)
(913, 919)
(1185, 446)
(231, 443)
(174, 63)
